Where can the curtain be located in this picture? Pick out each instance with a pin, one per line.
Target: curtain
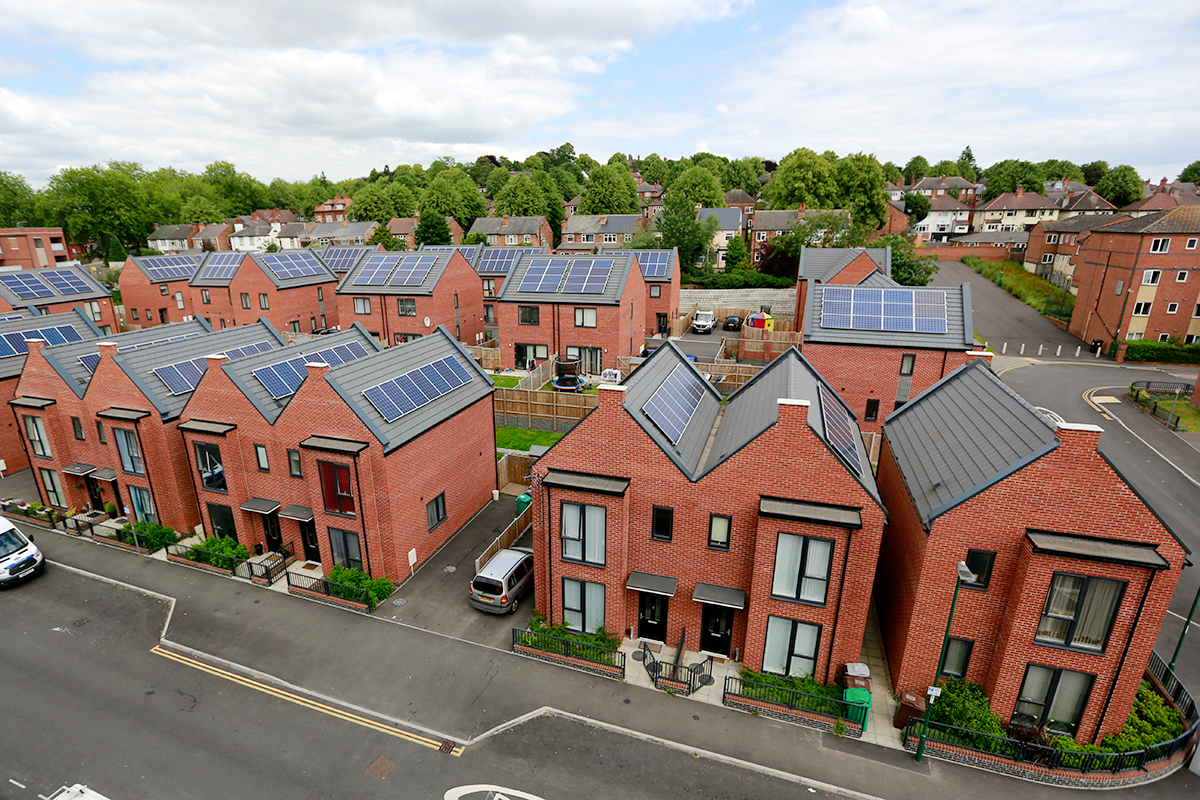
(1064, 597)
(788, 550)
(775, 652)
(1097, 612)
(1069, 697)
(572, 545)
(593, 606)
(572, 604)
(956, 658)
(816, 570)
(593, 526)
(337, 545)
(1031, 700)
(804, 653)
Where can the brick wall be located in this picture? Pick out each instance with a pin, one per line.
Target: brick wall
(137, 292)
(20, 247)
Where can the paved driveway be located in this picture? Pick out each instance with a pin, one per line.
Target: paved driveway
(1001, 318)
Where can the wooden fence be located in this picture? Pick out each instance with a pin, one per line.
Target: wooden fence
(759, 343)
(541, 410)
(512, 468)
(506, 538)
(486, 357)
(541, 374)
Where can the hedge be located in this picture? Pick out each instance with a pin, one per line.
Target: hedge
(736, 279)
(1163, 352)
(379, 588)
(599, 637)
(150, 535)
(796, 683)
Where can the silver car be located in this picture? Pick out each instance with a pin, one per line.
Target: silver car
(498, 587)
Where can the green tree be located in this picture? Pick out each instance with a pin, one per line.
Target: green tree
(1191, 173)
(892, 172)
(98, 204)
(802, 177)
(116, 252)
(967, 159)
(372, 203)
(283, 194)
(520, 197)
(654, 169)
(1121, 186)
(618, 160)
(238, 192)
(916, 168)
(483, 167)
(552, 209)
(680, 228)
(736, 254)
(16, 200)
(199, 208)
(432, 229)
(562, 155)
(1058, 169)
(917, 206)
(452, 194)
(568, 184)
(945, 167)
(1093, 172)
(587, 163)
(700, 187)
(743, 174)
(1005, 176)
(860, 185)
(404, 201)
(610, 190)
(273, 247)
(495, 182)
(382, 235)
(908, 268)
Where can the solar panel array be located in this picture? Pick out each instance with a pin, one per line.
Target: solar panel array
(839, 430)
(583, 275)
(416, 388)
(654, 263)
(868, 309)
(25, 285)
(673, 404)
(92, 360)
(341, 259)
(13, 344)
(293, 265)
(501, 259)
(588, 277)
(11, 317)
(165, 268)
(183, 377)
(65, 281)
(284, 378)
(544, 274)
(467, 250)
(221, 265)
(395, 269)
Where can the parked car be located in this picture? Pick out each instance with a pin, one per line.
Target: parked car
(19, 556)
(733, 323)
(498, 587)
(703, 322)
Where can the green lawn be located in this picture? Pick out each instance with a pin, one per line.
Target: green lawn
(1189, 415)
(521, 439)
(549, 387)
(506, 381)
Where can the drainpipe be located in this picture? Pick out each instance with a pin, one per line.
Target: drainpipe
(28, 454)
(362, 515)
(838, 610)
(1125, 652)
(549, 556)
(146, 466)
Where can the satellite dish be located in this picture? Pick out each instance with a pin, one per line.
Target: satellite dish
(427, 322)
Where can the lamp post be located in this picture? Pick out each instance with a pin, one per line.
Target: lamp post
(964, 574)
(1183, 634)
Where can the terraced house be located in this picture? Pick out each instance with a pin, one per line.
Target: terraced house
(293, 289)
(58, 290)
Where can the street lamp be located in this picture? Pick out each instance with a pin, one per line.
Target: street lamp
(964, 574)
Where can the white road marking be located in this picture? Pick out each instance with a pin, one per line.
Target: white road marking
(14, 783)
(1105, 398)
(1195, 622)
(1088, 397)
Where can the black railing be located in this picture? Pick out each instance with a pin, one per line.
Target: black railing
(273, 567)
(220, 561)
(1161, 410)
(570, 648)
(319, 585)
(673, 676)
(83, 527)
(1162, 387)
(794, 700)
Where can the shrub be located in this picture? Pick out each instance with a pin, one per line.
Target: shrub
(110, 508)
(1042, 295)
(599, 637)
(150, 535)
(737, 279)
(796, 683)
(1163, 352)
(378, 589)
(1151, 721)
(220, 551)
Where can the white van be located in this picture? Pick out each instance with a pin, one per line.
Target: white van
(19, 556)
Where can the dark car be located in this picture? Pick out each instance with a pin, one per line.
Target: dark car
(733, 323)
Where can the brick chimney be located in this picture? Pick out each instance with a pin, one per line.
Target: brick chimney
(800, 211)
(611, 398)
(504, 221)
(1079, 437)
(943, 180)
(1162, 185)
(1020, 190)
(604, 220)
(316, 369)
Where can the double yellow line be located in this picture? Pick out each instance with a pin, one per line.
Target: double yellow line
(291, 697)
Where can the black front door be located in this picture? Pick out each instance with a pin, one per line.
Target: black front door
(221, 518)
(308, 537)
(664, 323)
(94, 496)
(716, 629)
(271, 531)
(652, 617)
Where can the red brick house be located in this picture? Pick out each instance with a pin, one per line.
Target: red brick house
(511, 231)
(761, 543)
(334, 210)
(283, 216)
(399, 296)
(342, 259)
(844, 266)
(155, 290)
(14, 327)
(58, 290)
(370, 482)
(1013, 211)
(492, 264)
(99, 417)
(763, 226)
(404, 228)
(1073, 571)
(879, 344)
(292, 289)
(1137, 279)
(30, 248)
(1161, 199)
(584, 307)
(660, 271)
(1054, 246)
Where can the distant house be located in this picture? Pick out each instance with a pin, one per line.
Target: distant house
(404, 228)
(334, 210)
(173, 238)
(589, 232)
(732, 225)
(512, 231)
(255, 236)
(1054, 246)
(1081, 203)
(213, 237)
(763, 226)
(739, 198)
(895, 221)
(30, 248)
(1013, 211)
(291, 234)
(1162, 199)
(993, 245)
(947, 217)
(339, 233)
(934, 187)
(281, 215)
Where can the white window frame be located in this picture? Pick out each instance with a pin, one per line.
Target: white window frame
(1052, 238)
(1151, 277)
(1142, 309)
(1162, 245)
(1181, 276)
(1191, 244)
(1172, 308)
(1164, 337)
(510, 238)
(1047, 258)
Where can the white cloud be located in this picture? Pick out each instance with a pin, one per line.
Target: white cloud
(722, 109)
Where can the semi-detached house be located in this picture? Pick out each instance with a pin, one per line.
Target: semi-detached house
(293, 289)
(661, 273)
(58, 290)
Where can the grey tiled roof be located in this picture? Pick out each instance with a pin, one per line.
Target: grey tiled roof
(993, 237)
(1182, 219)
(347, 286)
(774, 220)
(959, 335)
(962, 435)
(732, 219)
(1083, 222)
(601, 223)
(11, 366)
(95, 290)
(516, 225)
(165, 232)
(822, 263)
(511, 292)
(341, 230)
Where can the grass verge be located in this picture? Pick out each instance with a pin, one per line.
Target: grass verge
(522, 439)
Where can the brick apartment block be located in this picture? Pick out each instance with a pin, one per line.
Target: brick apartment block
(592, 308)
(400, 296)
(104, 422)
(661, 272)
(58, 290)
(1054, 247)
(1139, 279)
(30, 248)
(1074, 571)
(753, 525)
(14, 327)
(323, 470)
(512, 231)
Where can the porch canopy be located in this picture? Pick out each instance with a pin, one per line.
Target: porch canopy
(298, 513)
(105, 474)
(654, 584)
(719, 595)
(259, 505)
(79, 469)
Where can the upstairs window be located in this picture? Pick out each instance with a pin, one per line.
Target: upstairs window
(1151, 277)
(1160, 245)
(406, 306)
(335, 485)
(131, 454)
(801, 568)
(208, 463)
(583, 533)
(35, 431)
(1079, 611)
(362, 306)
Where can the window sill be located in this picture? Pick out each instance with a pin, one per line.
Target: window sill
(718, 548)
(437, 525)
(664, 540)
(1068, 648)
(341, 514)
(214, 491)
(798, 601)
(47, 457)
(976, 587)
(136, 474)
(582, 563)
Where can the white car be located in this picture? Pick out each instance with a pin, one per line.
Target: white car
(19, 556)
(703, 322)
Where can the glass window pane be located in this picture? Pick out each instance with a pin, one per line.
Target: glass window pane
(593, 607)
(816, 571)
(956, 657)
(1096, 615)
(775, 652)
(594, 527)
(788, 551)
(1033, 694)
(1069, 697)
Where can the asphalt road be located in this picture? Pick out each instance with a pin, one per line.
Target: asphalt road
(85, 700)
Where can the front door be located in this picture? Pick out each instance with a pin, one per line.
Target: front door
(271, 531)
(716, 629)
(94, 496)
(664, 323)
(652, 617)
(308, 537)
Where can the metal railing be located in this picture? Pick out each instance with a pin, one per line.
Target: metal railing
(1162, 387)
(569, 648)
(794, 700)
(220, 561)
(319, 585)
(82, 527)
(674, 676)
(272, 569)
(1160, 410)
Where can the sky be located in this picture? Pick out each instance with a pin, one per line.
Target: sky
(292, 89)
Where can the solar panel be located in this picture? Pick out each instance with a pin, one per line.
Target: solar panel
(165, 268)
(654, 263)
(13, 344)
(839, 430)
(293, 265)
(411, 270)
(673, 404)
(467, 250)
(341, 259)
(501, 259)
(417, 387)
(65, 281)
(376, 269)
(25, 285)
(184, 376)
(587, 276)
(284, 378)
(11, 317)
(544, 274)
(221, 265)
(870, 309)
(90, 361)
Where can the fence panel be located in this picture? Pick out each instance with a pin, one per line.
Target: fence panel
(506, 538)
(487, 357)
(564, 650)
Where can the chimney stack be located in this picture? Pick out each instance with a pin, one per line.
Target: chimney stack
(1020, 190)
